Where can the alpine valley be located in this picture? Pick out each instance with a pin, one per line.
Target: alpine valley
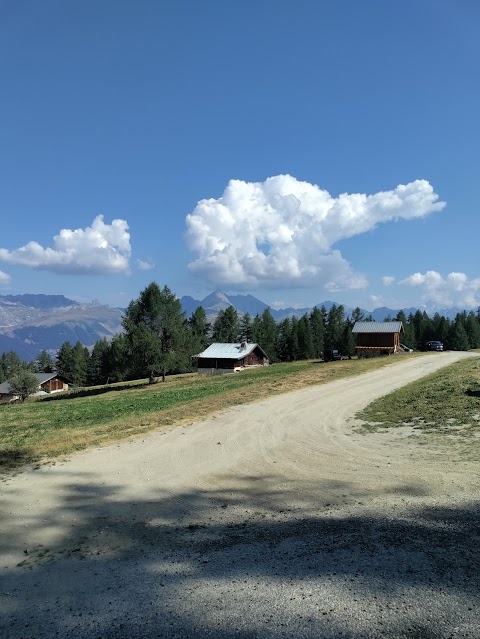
(32, 323)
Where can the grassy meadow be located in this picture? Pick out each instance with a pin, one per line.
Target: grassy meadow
(446, 404)
(60, 424)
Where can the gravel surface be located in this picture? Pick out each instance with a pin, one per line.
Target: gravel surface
(275, 519)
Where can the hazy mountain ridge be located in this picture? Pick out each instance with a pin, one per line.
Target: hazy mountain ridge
(50, 320)
(31, 323)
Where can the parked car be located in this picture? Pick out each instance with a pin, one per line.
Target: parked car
(332, 355)
(434, 346)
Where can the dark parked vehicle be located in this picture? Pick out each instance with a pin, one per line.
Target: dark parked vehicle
(434, 346)
(332, 355)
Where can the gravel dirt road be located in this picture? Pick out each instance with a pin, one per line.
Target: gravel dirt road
(275, 519)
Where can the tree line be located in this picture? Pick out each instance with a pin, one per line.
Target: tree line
(158, 339)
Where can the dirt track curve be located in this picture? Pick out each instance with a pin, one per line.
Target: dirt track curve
(270, 520)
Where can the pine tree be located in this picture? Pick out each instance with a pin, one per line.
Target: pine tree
(357, 316)
(117, 361)
(318, 332)
(155, 328)
(257, 328)
(472, 327)
(293, 347)
(408, 337)
(226, 327)
(64, 363)
(348, 346)
(44, 363)
(246, 328)
(268, 335)
(10, 363)
(80, 359)
(97, 370)
(334, 328)
(200, 329)
(459, 340)
(305, 339)
(283, 335)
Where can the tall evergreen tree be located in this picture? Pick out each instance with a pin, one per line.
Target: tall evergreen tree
(155, 328)
(257, 328)
(459, 337)
(305, 338)
(97, 370)
(348, 345)
(293, 346)
(334, 328)
(246, 328)
(44, 363)
(421, 324)
(226, 327)
(64, 363)
(117, 361)
(318, 332)
(10, 363)
(200, 329)
(472, 328)
(357, 315)
(80, 359)
(408, 337)
(283, 337)
(268, 336)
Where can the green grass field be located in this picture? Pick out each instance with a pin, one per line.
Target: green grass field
(446, 403)
(64, 423)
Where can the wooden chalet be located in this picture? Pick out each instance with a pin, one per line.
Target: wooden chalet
(377, 338)
(47, 383)
(219, 358)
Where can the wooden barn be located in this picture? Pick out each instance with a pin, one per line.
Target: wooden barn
(52, 382)
(219, 358)
(377, 338)
(47, 382)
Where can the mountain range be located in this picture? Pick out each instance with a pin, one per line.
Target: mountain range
(32, 323)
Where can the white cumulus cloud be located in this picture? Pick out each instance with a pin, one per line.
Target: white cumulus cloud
(453, 290)
(99, 249)
(282, 231)
(388, 280)
(4, 278)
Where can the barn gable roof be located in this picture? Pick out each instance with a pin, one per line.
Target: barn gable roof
(217, 350)
(378, 327)
(5, 388)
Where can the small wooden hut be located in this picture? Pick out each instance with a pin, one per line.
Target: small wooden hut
(377, 338)
(220, 358)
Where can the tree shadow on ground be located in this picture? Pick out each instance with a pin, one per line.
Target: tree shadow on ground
(91, 392)
(12, 459)
(245, 561)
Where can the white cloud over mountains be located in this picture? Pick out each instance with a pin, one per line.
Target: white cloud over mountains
(281, 232)
(453, 290)
(4, 278)
(99, 249)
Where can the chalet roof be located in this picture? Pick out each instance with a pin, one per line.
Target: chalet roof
(217, 350)
(41, 378)
(378, 327)
(45, 377)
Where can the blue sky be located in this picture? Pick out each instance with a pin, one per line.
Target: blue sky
(216, 140)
